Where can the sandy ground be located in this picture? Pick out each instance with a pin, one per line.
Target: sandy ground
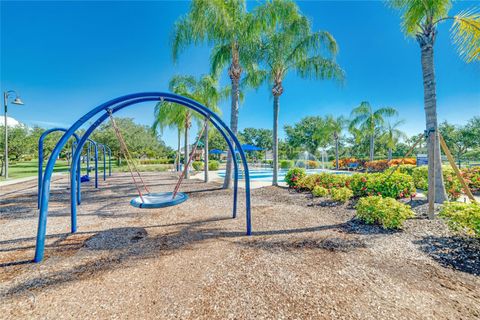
(307, 259)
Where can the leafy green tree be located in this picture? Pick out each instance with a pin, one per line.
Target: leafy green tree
(333, 128)
(302, 134)
(366, 122)
(459, 139)
(289, 45)
(420, 20)
(234, 33)
(259, 137)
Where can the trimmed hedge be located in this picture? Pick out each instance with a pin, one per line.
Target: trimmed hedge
(197, 165)
(397, 185)
(213, 165)
(286, 164)
(341, 194)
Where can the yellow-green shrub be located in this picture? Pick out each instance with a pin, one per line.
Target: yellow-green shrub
(462, 217)
(387, 212)
(341, 194)
(319, 191)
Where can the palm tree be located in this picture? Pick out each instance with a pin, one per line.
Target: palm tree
(207, 92)
(420, 19)
(392, 135)
(366, 121)
(336, 126)
(232, 30)
(288, 44)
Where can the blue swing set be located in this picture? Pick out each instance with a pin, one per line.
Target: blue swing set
(103, 112)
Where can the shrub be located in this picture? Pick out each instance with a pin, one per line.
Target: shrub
(472, 178)
(452, 185)
(156, 161)
(319, 191)
(387, 212)
(286, 164)
(293, 176)
(311, 164)
(341, 194)
(213, 165)
(377, 165)
(326, 180)
(406, 161)
(396, 185)
(197, 165)
(462, 217)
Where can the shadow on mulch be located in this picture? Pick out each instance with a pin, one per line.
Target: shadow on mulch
(455, 252)
(329, 244)
(357, 226)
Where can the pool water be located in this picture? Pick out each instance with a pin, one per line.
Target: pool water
(267, 175)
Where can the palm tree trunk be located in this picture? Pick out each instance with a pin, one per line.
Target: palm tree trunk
(185, 157)
(205, 164)
(426, 42)
(234, 72)
(336, 153)
(276, 106)
(372, 150)
(179, 149)
(389, 154)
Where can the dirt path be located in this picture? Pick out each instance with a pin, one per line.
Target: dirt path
(306, 259)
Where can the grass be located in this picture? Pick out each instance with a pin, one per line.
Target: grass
(26, 169)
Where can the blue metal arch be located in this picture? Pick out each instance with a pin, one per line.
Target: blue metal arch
(149, 96)
(89, 131)
(40, 159)
(104, 160)
(95, 148)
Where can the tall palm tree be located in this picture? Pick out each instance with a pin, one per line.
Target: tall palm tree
(367, 121)
(420, 19)
(233, 32)
(336, 126)
(392, 135)
(207, 92)
(288, 44)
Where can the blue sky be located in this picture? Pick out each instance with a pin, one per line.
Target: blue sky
(65, 58)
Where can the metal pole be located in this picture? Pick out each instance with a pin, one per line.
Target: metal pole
(5, 97)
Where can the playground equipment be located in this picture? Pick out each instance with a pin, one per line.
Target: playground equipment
(106, 148)
(105, 111)
(40, 160)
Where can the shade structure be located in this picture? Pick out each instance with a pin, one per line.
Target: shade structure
(216, 151)
(158, 200)
(249, 147)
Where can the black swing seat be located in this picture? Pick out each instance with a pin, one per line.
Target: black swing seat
(158, 200)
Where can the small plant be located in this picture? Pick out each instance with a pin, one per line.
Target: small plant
(197, 165)
(377, 165)
(293, 176)
(387, 212)
(286, 164)
(312, 164)
(213, 165)
(462, 217)
(341, 194)
(319, 191)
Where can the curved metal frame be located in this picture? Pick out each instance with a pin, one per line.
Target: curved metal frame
(95, 148)
(40, 159)
(116, 105)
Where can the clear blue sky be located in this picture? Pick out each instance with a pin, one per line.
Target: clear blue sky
(65, 58)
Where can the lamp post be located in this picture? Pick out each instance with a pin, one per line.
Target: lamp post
(17, 101)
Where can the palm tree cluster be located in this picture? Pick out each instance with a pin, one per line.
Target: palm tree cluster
(256, 47)
(263, 45)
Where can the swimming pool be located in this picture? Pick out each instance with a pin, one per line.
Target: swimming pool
(267, 175)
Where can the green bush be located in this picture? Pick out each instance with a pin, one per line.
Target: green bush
(319, 191)
(293, 176)
(156, 161)
(341, 194)
(462, 217)
(396, 185)
(286, 164)
(387, 212)
(197, 165)
(213, 165)
(326, 180)
(404, 168)
(452, 185)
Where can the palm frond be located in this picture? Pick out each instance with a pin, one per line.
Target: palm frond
(320, 68)
(465, 33)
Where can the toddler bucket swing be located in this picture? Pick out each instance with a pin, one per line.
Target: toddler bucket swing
(150, 200)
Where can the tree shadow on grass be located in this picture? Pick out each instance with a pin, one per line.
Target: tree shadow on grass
(459, 253)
